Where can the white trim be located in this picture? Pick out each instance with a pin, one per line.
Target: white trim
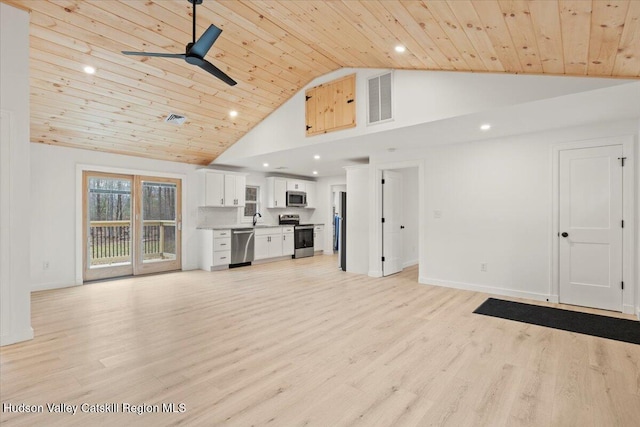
(485, 289)
(627, 309)
(629, 258)
(409, 263)
(374, 273)
(80, 168)
(17, 336)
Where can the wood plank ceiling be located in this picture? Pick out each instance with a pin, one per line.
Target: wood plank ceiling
(274, 48)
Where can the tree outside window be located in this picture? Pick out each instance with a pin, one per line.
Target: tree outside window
(252, 200)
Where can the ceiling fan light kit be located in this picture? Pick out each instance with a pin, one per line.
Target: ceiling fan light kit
(196, 50)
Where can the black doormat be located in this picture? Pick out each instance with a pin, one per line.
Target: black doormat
(573, 321)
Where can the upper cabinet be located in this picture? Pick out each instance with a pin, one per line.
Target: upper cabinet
(276, 192)
(277, 188)
(234, 190)
(310, 188)
(296, 185)
(213, 189)
(331, 106)
(223, 189)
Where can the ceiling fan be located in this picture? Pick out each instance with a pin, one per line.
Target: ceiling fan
(196, 50)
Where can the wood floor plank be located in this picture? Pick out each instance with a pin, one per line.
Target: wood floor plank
(299, 342)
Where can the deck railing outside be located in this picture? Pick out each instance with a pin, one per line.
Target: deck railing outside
(110, 241)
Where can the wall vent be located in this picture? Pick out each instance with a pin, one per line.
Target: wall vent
(175, 119)
(379, 99)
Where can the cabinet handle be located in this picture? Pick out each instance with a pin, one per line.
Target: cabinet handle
(222, 201)
(223, 257)
(223, 244)
(284, 237)
(276, 203)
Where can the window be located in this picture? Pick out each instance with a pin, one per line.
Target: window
(252, 200)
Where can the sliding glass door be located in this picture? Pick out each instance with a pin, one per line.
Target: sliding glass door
(132, 225)
(159, 225)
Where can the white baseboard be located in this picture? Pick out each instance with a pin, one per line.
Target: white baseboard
(554, 299)
(23, 335)
(52, 285)
(486, 289)
(409, 263)
(326, 252)
(374, 273)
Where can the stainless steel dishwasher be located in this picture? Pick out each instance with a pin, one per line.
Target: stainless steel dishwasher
(242, 242)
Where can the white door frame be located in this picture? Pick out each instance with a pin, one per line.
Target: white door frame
(375, 207)
(629, 259)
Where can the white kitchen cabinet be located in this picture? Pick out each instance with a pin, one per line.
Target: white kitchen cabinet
(268, 243)
(234, 190)
(215, 249)
(318, 238)
(276, 192)
(223, 189)
(294, 185)
(214, 189)
(311, 194)
(288, 244)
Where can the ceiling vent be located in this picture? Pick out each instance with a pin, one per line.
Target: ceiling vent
(175, 119)
(379, 99)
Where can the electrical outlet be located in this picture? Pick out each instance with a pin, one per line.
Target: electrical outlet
(483, 266)
(45, 265)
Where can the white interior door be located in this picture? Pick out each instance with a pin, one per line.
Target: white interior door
(392, 225)
(590, 224)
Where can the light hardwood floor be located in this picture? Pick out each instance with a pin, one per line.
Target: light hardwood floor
(301, 343)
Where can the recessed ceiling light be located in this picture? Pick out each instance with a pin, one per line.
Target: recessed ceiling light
(266, 165)
(89, 69)
(317, 156)
(315, 172)
(233, 113)
(400, 48)
(485, 126)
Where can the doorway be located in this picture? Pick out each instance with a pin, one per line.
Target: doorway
(593, 240)
(400, 219)
(131, 225)
(590, 224)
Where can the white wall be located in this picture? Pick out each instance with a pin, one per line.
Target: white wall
(358, 208)
(495, 199)
(15, 303)
(55, 214)
(419, 97)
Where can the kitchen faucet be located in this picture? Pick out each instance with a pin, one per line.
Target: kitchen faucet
(255, 218)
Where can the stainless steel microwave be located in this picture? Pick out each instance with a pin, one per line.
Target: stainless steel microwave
(296, 199)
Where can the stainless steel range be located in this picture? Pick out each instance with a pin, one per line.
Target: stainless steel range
(302, 235)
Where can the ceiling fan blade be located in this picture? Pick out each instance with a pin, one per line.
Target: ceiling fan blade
(161, 55)
(212, 69)
(206, 40)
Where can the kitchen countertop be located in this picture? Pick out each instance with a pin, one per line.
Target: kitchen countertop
(236, 226)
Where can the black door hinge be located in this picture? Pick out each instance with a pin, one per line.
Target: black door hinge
(382, 219)
(382, 259)
(383, 180)
(307, 97)
(622, 223)
(622, 284)
(308, 127)
(622, 159)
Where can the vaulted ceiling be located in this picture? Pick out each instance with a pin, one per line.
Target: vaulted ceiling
(273, 49)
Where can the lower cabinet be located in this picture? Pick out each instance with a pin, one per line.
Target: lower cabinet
(268, 243)
(318, 238)
(215, 249)
(288, 244)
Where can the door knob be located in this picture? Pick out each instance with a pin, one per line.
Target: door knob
(565, 234)
(402, 227)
